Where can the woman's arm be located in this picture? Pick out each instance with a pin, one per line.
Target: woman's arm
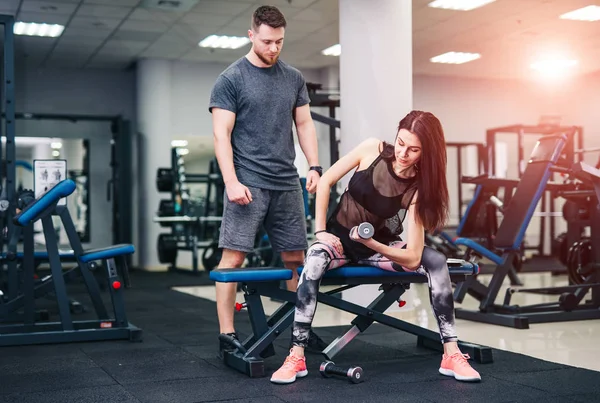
(361, 156)
(410, 258)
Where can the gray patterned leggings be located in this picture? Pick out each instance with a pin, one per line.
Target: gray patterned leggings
(321, 257)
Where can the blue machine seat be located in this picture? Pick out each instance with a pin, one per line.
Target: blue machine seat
(33, 211)
(455, 266)
(107, 253)
(250, 274)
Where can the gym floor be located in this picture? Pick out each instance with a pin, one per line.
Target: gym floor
(177, 361)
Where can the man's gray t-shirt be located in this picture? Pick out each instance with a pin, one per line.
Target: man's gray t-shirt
(264, 100)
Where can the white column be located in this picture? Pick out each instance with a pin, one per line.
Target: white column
(375, 79)
(154, 126)
(375, 68)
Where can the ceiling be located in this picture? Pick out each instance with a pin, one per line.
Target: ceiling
(509, 34)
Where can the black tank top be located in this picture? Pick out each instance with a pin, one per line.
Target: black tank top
(375, 195)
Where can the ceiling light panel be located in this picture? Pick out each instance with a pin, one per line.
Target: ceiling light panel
(334, 50)
(455, 58)
(36, 29)
(589, 13)
(460, 5)
(223, 42)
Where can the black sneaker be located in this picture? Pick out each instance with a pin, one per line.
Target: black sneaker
(224, 346)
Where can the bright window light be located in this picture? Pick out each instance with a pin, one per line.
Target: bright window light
(35, 29)
(455, 57)
(179, 143)
(553, 67)
(461, 5)
(334, 50)
(223, 42)
(589, 13)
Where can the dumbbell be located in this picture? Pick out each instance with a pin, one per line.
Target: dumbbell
(328, 369)
(239, 307)
(365, 230)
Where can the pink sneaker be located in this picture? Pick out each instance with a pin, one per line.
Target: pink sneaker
(456, 365)
(293, 367)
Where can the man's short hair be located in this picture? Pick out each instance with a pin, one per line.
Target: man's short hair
(268, 15)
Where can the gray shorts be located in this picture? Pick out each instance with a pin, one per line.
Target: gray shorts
(281, 213)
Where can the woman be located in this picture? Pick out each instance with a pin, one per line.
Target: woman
(392, 184)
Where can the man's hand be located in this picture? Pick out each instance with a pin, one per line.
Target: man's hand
(312, 178)
(238, 193)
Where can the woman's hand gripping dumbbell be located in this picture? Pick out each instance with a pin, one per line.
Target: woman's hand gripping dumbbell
(362, 232)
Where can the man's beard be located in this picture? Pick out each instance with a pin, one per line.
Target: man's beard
(266, 60)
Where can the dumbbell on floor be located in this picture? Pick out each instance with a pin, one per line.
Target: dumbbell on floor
(365, 230)
(354, 374)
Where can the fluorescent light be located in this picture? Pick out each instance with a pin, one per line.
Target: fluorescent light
(334, 50)
(589, 13)
(223, 42)
(56, 145)
(56, 153)
(553, 67)
(35, 29)
(462, 5)
(183, 151)
(179, 143)
(455, 57)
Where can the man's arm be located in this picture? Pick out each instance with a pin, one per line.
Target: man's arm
(223, 122)
(307, 134)
(307, 137)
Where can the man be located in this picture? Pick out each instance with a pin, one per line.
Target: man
(254, 104)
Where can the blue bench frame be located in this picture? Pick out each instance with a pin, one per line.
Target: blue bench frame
(257, 282)
(107, 326)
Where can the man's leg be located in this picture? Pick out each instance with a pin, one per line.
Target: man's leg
(226, 291)
(292, 260)
(238, 231)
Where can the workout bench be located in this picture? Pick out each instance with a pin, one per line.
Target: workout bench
(105, 326)
(257, 282)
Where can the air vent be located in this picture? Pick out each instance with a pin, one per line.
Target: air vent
(169, 5)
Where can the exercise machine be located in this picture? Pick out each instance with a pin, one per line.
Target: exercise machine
(108, 325)
(507, 245)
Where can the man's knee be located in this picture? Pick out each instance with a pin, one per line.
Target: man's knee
(432, 258)
(292, 258)
(232, 259)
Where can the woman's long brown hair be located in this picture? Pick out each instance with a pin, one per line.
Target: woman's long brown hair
(433, 200)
